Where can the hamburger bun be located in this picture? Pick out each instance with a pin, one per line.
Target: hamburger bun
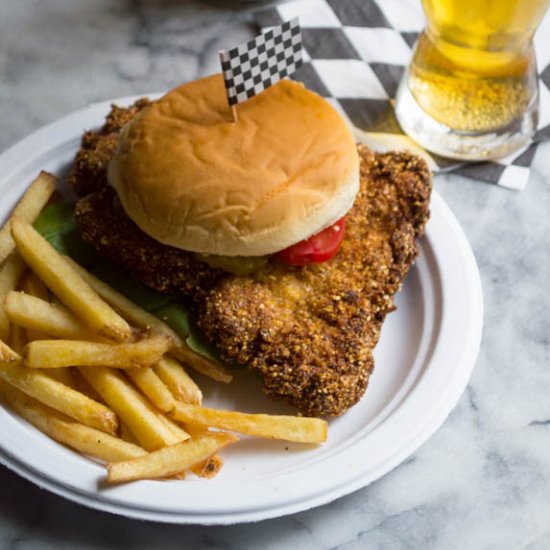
(190, 177)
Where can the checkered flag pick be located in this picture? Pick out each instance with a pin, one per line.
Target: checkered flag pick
(250, 68)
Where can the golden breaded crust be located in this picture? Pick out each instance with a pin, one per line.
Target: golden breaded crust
(309, 331)
(105, 226)
(89, 171)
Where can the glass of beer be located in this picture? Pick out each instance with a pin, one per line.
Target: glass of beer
(471, 91)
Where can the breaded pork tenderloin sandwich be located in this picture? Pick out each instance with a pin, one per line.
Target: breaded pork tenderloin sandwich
(286, 240)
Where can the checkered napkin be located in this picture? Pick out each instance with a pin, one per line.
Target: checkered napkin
(355, 52)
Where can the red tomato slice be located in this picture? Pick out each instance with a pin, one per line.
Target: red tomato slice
(318, 248)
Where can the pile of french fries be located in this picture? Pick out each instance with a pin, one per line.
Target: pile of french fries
(101, 375)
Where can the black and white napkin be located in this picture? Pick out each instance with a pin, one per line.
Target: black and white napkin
(355, 53)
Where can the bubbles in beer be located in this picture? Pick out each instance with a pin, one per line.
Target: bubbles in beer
(474, 67)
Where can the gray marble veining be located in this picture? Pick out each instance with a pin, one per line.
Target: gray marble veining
(482, 481)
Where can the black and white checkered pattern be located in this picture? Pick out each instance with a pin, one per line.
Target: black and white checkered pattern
(250, 68)
(355, 53)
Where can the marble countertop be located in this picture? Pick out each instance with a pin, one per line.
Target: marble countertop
(482, 481)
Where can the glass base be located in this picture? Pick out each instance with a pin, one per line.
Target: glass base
(442, 140)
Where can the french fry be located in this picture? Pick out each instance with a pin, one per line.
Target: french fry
(209, 468)
(127, 435)
(195, 430)
(144, 319)
(10, 273)
(130, 311)
(65, 376)
(170, 460)
(60, 397)
(83, 386)
(152, 387)
(176, 430)
(202, 364)
(18, 339)
(50, 354)
(28, 209)
(38, 315)
(142, 420)
(67, 284)
(63, 429)
(31, 284)
(178, 381)
(31, 335)
(7, 355)
(288, 428)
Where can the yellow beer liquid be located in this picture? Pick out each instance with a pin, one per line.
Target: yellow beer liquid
(474, 66)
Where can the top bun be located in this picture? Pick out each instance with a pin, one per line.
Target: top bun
(190, 177)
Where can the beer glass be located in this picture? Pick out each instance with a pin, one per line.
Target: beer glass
(471, 90)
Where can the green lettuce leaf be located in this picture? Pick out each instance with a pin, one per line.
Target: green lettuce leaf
(133, 289)
(176, 316)
(57, 225)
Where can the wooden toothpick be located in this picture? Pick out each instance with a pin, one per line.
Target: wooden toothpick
(234, 113)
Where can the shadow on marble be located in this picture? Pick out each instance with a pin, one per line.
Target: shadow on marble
(30, 514)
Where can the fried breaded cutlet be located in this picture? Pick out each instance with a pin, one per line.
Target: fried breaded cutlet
(89, 171)
(309, 331)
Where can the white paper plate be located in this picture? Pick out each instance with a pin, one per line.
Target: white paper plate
(423, 362)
